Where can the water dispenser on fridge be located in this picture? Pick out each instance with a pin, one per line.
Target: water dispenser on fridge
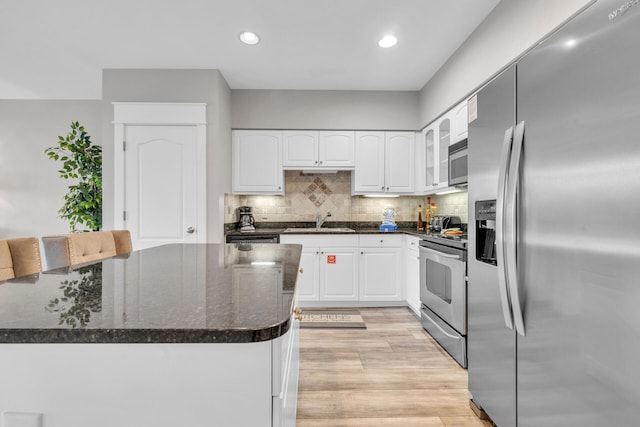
(486, 231)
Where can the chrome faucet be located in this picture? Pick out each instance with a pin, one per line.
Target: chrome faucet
(320, 220)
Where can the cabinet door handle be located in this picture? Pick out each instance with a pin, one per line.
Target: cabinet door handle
(387, 188)
(301, 270)
(361, 253)
(320, 161)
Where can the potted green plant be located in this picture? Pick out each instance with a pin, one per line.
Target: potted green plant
(82, 163)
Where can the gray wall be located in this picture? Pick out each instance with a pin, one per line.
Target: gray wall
(313, 109)
(31, 191)
(511, 29)
(206, 86)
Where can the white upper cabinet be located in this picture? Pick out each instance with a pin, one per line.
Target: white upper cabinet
(337, 149)
(459, 122)
(257, 162)
(433, 149)
(442, 159)
(399, 162)
(368, 176)
(318, 149)
(384, 163)
(433, 156)
(300, 149)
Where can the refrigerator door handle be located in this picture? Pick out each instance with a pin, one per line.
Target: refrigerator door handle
(500, 259)
(511, 212)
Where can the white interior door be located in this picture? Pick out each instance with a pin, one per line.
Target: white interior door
(161, 184)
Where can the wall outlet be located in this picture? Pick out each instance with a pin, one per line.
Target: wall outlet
(21, 419)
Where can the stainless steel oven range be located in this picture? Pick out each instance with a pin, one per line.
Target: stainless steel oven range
(443, 292)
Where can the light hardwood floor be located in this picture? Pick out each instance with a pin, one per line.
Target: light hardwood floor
(391, 374)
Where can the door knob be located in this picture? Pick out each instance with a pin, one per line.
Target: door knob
(191, 230)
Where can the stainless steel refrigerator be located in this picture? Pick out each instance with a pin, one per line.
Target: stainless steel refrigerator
(554, 214)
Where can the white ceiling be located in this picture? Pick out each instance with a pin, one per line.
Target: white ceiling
(57, 49)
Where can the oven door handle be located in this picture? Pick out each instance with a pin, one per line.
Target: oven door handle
(442, 254)
(453, 337)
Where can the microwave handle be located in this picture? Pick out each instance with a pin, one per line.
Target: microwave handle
(500, 249)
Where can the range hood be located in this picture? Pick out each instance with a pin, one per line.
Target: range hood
(319, 171)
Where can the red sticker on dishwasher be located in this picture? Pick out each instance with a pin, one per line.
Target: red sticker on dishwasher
(331, 259)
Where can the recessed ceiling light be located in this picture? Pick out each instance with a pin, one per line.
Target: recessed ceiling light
(248, 37)
(388, 41)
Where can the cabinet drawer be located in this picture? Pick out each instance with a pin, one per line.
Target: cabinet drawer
(380, 241)
(326, 240)
(412, 243)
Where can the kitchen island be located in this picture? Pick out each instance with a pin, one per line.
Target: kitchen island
(194, 335)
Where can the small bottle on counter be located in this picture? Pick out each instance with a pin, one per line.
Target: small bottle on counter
(420, 224)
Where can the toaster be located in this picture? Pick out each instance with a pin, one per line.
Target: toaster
(442, 222)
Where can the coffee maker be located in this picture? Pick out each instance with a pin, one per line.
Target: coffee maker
(246, 222)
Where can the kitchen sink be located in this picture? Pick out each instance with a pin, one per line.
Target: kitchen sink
(318, 230)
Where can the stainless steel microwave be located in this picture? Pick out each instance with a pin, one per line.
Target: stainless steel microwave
(458, 156)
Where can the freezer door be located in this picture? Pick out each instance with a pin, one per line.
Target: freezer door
(579, 96)
(491, 346)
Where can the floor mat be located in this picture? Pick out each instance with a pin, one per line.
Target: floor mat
(331, 318)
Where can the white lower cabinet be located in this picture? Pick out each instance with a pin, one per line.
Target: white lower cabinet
(160, 385)
(380, 267)
(356, 269)
(309, 277)
(412, 272)
(338, 274)
(329, 267)
(285, 370)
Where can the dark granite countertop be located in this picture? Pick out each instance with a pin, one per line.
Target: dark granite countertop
(406, 227)
(192, 293)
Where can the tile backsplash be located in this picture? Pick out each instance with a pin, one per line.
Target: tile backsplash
(308, 195)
